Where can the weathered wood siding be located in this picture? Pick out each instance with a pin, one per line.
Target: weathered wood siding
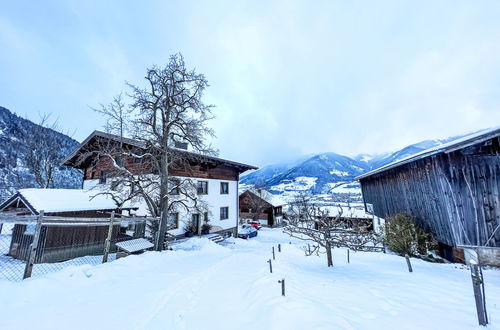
(455, 195)
(245, 202)
(208, 171)
(62, 242)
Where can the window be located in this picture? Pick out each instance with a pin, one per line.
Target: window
(202, 187)
(224, 188)
(137, 158)
(173, 221)
(174, 186)
(118, 161)
(224, 213)
(104, 176)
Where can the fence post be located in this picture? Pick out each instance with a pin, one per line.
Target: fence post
(33, 247)
(273, 254)
(270, 266)
(282, 286)
(408, 263)
(477, 281)
(279, 247)
(348, 261)
(107, 245)
(157, 236)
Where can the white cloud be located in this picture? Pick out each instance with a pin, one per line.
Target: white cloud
(287, 77)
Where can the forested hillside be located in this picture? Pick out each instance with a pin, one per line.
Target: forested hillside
(14, 172)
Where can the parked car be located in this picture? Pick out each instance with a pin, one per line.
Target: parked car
(246, 231)
(255, 223)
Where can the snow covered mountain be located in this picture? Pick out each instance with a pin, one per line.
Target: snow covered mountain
(328, 173)
(13, 172)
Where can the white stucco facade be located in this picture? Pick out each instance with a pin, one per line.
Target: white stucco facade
(214, 200)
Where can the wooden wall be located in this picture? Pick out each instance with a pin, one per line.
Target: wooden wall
(245, 202)
(208, 171)
(455, 195)
(61, 242)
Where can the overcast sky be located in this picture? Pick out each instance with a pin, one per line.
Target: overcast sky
(288, 77)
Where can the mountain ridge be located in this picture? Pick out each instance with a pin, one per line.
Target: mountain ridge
(329, 172)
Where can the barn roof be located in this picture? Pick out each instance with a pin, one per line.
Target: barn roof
(70, 160)
(62, 200)
(347, 211)
(463, 142)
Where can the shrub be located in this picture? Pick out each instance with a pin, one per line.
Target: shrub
(404, 236)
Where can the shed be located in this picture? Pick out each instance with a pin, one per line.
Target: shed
(62, 240)
(452, 190)
(62, 202)
(267, 208)
(75, 225)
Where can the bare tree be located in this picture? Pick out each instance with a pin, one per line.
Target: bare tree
(312, 222)
(43, 150)
(169, 111)
(118, 116)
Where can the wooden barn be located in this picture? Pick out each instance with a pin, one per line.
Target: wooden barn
(265, 208)
(452, 190)
(76, 223)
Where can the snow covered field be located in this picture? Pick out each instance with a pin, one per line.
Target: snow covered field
(202, 285)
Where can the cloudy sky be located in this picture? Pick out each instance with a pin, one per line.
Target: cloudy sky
(288, 77)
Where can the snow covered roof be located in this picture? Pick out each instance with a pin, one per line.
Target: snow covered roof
(466, 141)
(347, 212)
(62, 200)
(275, 200)
(135, 245)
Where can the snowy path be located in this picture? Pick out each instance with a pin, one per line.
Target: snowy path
(206, 286)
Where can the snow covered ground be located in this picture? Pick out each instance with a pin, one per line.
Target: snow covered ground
(202, 285)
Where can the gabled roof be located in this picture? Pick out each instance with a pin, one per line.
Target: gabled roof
(461, 143)
(62, 200)
(69, 161)
(270, 199)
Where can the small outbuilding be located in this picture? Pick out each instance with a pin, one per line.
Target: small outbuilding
(453, 190)
(76, 223)
(262, 206)
(76, 203)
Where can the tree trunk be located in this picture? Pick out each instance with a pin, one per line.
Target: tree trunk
(329, 256)
(163, 198)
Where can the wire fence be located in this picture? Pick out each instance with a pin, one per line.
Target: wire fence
(37, 245)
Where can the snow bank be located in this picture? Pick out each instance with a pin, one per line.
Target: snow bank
(201, 285)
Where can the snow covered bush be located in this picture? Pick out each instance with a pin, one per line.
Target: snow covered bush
(404, 236)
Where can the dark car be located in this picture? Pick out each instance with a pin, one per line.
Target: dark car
(247, 231)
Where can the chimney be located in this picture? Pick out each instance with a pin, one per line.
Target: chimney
(181, 145)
